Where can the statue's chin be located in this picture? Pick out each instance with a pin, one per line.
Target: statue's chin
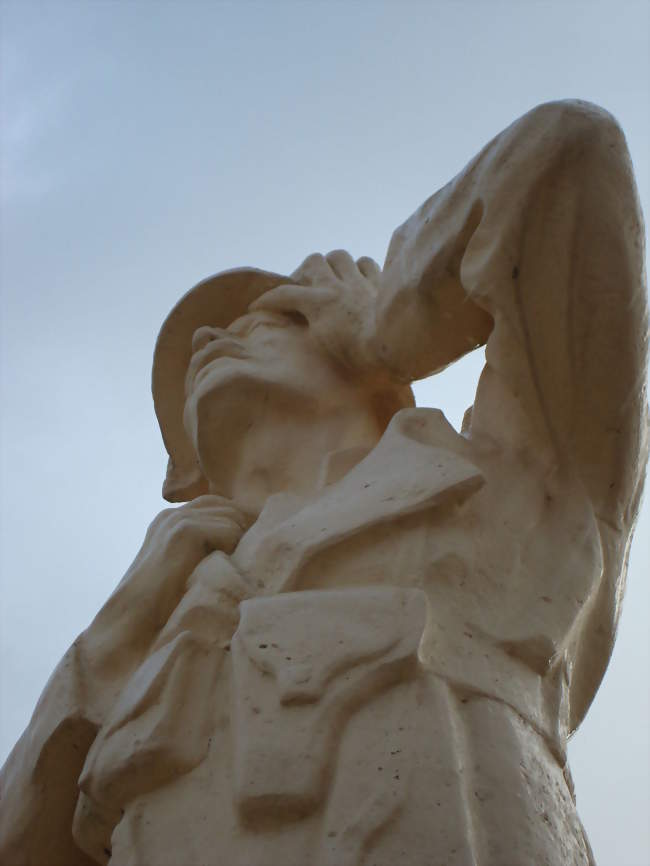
(224, 388)
(221, 369)
(234, 417)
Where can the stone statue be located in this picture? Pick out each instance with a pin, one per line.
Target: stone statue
(366, 638)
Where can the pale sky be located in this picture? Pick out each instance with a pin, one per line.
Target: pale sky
(146, 145)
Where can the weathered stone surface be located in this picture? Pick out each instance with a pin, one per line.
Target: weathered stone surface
(365, 638)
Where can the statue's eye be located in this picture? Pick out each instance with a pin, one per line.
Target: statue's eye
(263, 323)
(249, 323)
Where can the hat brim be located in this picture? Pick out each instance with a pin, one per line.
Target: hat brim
(216, 301)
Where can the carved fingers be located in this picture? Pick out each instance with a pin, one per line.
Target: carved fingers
(176, 542)
(197, 528)
(338, 296)
(370, 269)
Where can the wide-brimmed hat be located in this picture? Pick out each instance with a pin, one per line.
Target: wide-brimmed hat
(217, 302)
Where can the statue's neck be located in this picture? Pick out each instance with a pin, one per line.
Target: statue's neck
(291, 462)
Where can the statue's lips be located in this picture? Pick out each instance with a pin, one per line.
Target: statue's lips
(221, 348)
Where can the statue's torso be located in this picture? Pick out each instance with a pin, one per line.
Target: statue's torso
(313, 754)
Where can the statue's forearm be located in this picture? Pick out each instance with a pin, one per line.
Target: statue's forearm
(506, 174)
(543, 231)
(464, 244)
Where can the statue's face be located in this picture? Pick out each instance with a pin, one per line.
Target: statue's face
(259, 389)
(271, 353)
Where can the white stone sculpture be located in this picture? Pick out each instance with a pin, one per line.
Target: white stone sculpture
(365, 638)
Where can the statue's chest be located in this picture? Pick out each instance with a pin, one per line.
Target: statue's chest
(404, 551)
(385, 522)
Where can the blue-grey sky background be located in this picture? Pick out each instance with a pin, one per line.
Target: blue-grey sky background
(146, 145)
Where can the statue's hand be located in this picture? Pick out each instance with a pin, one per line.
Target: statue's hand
(338, 297)
(390, 324)
(176, 542)
(179, 538)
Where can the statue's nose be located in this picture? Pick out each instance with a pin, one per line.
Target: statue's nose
(204, 335)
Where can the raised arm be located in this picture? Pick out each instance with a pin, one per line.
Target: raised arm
(542, 231)
(535, 248)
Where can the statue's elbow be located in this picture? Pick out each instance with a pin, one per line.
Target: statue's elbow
(580, 129)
